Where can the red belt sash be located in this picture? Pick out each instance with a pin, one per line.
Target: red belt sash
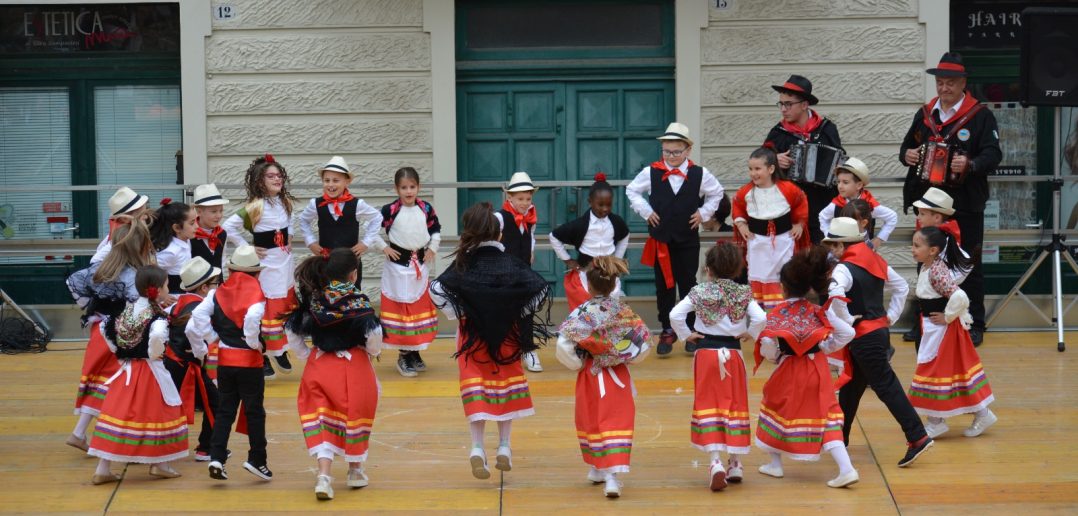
(655, 250)
(863, 327)
(228, 356)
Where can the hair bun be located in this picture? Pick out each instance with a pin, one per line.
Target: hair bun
(600, 177)
(165, 201)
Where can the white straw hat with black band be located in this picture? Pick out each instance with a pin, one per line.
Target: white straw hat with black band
(196, 272)
(338, 165)
(520, 182)
(125, 200)
(937, 200)
(844, 229)
(208, 195)
(245, 259)
(676, 131)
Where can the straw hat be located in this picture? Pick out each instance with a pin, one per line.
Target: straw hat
(208, 195)
(245, 259)
(125, 200)
(520, 182)
(855, 167)
(844, 229)
(936, 200)
(676, 131)
(196, 272)
(338, 165)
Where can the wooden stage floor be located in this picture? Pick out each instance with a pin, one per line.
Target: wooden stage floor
(1028, 462)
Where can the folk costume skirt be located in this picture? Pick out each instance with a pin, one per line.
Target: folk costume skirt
(492, 391)
(338, 396)
(720, 410)
(98, 364)
(800, 416)
(136, 424)
(605, 417)
(952, 382)
(409, 317)
(766, 256)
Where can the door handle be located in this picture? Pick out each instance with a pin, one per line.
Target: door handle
(559, 111)
(554, 206)
(574, 206)
(74, 230)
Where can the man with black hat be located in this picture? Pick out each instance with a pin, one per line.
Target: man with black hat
(800, 123)
(969, 129)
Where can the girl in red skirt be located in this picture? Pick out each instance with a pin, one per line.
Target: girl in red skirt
(725, 315)
(799, 415)
(141, 419)
(600, 339)
(949, 379)
(504, 309)
(102, 290)
(338, 393)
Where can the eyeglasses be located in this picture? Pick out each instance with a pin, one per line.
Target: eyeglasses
(787, 105)
(674, 153)
(273, 176)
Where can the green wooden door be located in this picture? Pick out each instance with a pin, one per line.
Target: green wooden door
(557, 131)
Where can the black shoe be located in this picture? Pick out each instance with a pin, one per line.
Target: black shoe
(417, 362)
(690, 347)
(217, 471)
(913, 335)
(261, 471)
(404, 365)
(915, 450)
(666, 342)
(267, 368)
(283, 364)
(977, 336)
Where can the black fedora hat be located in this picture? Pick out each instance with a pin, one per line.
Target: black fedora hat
(800, 86)
(950, 66)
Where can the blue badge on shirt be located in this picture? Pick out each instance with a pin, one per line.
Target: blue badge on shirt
(963, 135)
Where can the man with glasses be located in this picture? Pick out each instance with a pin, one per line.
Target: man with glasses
(681, 195)
(800, 123)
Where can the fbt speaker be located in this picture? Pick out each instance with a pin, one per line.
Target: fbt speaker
(1049, 56)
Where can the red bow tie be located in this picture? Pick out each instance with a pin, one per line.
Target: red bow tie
(521, 220)
(674, 172)
(337, 202)
(213, 238)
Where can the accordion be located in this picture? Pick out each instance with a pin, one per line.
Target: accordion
(814, 163)
(934, 165)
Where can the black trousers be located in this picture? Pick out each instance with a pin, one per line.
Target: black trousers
(871, 369)
(819, 198)
(235, 384)
(684, 260)
(178, 371)
(971, 224)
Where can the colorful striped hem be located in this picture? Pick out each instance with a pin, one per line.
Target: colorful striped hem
(946, 393)
(813, 433)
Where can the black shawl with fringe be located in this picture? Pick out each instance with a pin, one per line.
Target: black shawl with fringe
(338, 318)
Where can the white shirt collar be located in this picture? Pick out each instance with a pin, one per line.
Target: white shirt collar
(492, 243)
(945, 115)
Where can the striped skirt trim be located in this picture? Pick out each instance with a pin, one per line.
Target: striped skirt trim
(606, 443)
(798, 430)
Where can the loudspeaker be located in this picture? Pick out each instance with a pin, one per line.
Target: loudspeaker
(1049, 64)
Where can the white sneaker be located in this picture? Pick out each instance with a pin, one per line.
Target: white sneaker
(718, 476)
(734, 471)
(478, 460)
(323, 489)
(847, 479)
(772, 471)
(980, 424)
(357, 478)
(504, 460)
(531, 362)
(935, 429)
(613, 487)
(595, 476)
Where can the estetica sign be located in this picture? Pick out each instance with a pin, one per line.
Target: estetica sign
(96, 27)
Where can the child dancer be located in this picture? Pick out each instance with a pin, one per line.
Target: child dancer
(267, 215)
(856, 296)
(184, 356)
(124, 206)
(494, 295)
(799, 415)
(234, 314)
(338, 394)
(770, 215)
(600, 339)
(337, 215)
(726, 314)
(949, 379)
(141, 418)
(597, 233)
(519, 237)
(852, 178)
(408, 315)
(173, 227)
(209, 243)
(103, 290)
(935, 209)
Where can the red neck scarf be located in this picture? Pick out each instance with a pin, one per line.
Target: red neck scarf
(951, 227)
(237, 294)
(805, 133)
(212, 238)
(841, 201)
(860, 255)
(667, 171)
(968, 103)
(521, 220)
(337, 202)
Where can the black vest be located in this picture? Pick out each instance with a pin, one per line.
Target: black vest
(177, 339)
(216, 258)
(674, 210)
(230, 334)
(574, 232)
(343, 232)
(866, 294)
(516, 243)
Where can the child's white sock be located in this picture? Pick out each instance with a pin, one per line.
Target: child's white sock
(103, 467)
(935, 420)
(504, 429)
(842, 458)
(477, 433)
(983, 412)
(715, 457)
(325, 454)
(734, 458)
(82, 425)
(776, 460)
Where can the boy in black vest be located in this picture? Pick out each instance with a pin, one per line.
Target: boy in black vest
(209, 241)
(517, 218)
(338, 215)
(681, 195)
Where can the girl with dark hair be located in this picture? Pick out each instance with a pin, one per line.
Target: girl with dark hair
(172, 229)
(599, 232)
(338, 393)
(949, 379)
(770, 221)
(142, 419)
(600, 338)
(409, 318)
(861, 211)
(504, 310)
(267, 216)
(726, 315)
(799, 415)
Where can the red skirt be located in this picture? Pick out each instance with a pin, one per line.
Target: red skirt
(409, 326)
(800, 416)
(135, 424)
(954, 382)
(98, 364)
(605, 417)
(337, 400)
(575, 292)
(720, 409)
(490, 391)
(273, 322)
